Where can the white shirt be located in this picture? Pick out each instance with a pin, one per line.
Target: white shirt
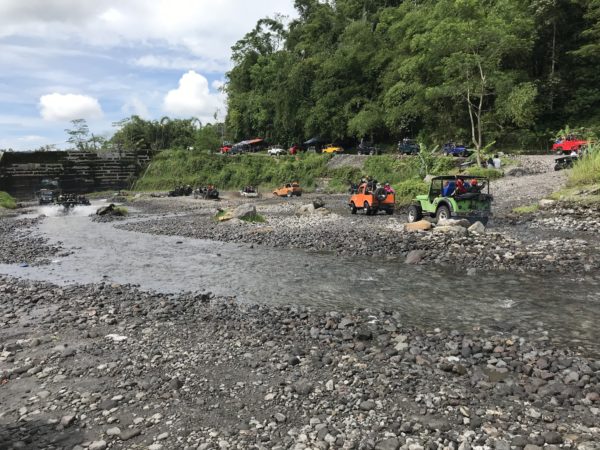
(497, 163)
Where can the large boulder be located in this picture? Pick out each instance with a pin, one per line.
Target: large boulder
(454, 223)
(450, 229)
(305, 210)
(421, 225)
(244, 211)
(318, 203)
(477, 228)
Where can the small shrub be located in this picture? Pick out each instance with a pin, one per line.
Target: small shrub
(120, 211)
(6, 201)
(255, 218)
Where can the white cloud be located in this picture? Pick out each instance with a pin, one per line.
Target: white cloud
(205, 28)
(193, 98)
(64, 107)
(135, 106)
(181, 63)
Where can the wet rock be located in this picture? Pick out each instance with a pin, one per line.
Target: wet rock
(414, 257)
(303, 387)
(244, 211)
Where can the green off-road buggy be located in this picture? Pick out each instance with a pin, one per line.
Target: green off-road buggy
(460, 197)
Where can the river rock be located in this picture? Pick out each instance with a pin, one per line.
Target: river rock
(546, 203)
(414, 257)
(318, 203)
(477, 228)
(388, 444)
(244, 211)
(421, 225)
(97, 445)
(454, 223)
(447, 229)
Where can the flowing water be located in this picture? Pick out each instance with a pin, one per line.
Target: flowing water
(564, 307)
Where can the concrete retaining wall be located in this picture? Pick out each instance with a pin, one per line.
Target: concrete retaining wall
(77, 172)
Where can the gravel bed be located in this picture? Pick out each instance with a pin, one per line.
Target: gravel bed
(19, 245)
(385, 237)
(107, 366)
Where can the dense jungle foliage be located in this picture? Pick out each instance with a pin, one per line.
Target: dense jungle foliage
(477, 71)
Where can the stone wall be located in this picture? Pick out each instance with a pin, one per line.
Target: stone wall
(77, 172)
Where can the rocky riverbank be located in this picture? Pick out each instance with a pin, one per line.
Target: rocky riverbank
(108, 366)
(20, 245)
(384, 236)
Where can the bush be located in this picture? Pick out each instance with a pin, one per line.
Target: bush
(492, 174)
(407, 190)
(6, 201)
(255, 218)
(586, 170)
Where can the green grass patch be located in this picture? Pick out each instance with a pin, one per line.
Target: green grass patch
(221, 213)
(529, 209)
(407, 190)
(492, 174)
(586, 171)
(255, 218)
(6, 201)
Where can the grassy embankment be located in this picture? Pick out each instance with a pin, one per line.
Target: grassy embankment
(583, 185)
(6, 201)
(174, 167)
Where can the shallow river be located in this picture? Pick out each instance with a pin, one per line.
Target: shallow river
(567, 308)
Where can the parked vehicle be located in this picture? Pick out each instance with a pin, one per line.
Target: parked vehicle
(372, 201)
(276, 151)
(249, 191)
(446, 200)
(288, 190)
(367, 149)
(181, 191)
(452, 149)
(408, 147)
(569, 144)
(331, 148)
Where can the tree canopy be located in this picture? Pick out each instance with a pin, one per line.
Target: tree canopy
(471, 70)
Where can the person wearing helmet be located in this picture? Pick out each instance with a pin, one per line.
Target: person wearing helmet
(388, 188)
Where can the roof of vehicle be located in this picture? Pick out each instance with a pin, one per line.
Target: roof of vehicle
(457, 177)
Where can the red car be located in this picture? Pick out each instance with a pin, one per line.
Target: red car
(569, 144)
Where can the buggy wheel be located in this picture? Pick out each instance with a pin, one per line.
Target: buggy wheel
(289, 194)
(465, 154)
(367, 208)
(389, 211)
(353, 208)
(415, 213)
(443, 213)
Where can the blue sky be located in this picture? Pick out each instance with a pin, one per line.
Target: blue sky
(104, 60)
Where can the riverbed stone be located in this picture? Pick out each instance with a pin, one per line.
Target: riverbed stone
(244, 211)
(450, 229)
(421, 225)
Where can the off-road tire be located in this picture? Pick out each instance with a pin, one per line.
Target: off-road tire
(415, 213)
(289, 194)
(353, 208)
(367, 208)
(443, 212)
(389, 211)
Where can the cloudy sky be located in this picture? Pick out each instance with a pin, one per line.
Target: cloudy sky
(104, 60)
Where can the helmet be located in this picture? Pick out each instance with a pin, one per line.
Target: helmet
(386, 184)
(473, 182)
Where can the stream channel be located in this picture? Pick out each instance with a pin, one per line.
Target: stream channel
(563, 309)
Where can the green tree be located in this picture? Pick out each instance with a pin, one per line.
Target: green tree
(79, 134)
